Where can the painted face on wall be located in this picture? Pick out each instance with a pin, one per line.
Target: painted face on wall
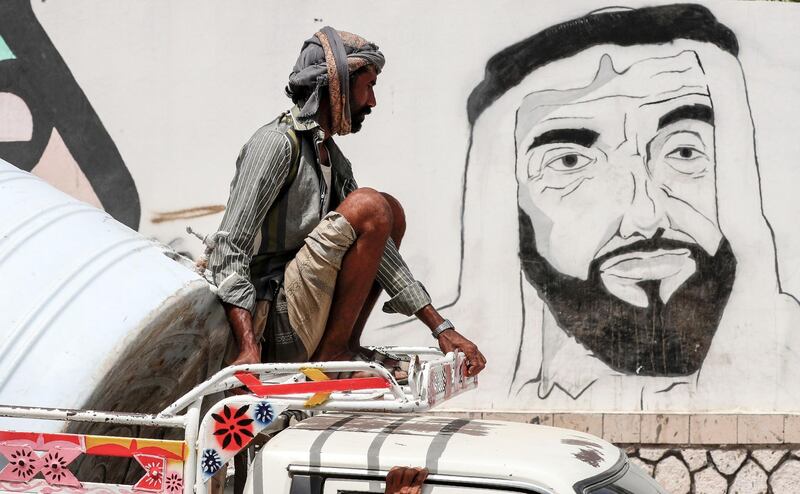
(618, 219)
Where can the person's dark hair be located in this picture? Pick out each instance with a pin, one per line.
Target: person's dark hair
(300, 94)
(650, 25)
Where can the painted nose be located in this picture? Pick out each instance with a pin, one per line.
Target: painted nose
(645, 214)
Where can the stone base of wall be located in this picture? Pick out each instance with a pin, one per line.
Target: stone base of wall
(691, 453)
(662, 428)
(755, 470)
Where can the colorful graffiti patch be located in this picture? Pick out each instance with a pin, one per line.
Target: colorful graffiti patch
(49, 455)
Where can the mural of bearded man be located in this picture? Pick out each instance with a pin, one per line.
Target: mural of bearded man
(647, 268)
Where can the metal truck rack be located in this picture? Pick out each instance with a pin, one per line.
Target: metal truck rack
(37, 462)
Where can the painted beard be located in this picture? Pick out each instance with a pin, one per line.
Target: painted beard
(663, 339)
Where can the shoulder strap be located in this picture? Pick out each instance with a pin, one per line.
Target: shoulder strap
(295, 143)
(274, 215)
(294, 165)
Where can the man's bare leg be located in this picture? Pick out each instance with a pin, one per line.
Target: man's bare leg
(398, 231)
(370, 215)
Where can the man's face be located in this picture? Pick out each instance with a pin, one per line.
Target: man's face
(362, 96)
(602, 167)
(618, 219)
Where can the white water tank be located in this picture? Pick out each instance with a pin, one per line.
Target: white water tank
(93, 314)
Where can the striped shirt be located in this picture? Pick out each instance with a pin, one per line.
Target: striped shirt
(261, 197)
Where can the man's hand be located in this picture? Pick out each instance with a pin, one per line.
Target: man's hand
(452, 341)
(405, 480)
(241, 322)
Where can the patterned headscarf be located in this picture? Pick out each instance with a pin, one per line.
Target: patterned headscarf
(322, 63)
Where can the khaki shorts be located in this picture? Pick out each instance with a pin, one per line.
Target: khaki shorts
(294, 323)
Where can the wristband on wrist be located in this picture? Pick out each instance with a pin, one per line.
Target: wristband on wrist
(442, 328)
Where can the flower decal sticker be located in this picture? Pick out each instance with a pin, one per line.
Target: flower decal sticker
(264, 413)
(211, 461)
(174, 483)
(54, 467)
(23, 463)
(153, 478)
(233, 428)
(230, 427)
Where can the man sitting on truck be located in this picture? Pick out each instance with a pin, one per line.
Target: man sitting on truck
(302, 252)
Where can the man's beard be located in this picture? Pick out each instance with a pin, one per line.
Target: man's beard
(662, 339)
(357, 118)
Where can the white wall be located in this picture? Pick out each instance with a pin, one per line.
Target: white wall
(181, 85)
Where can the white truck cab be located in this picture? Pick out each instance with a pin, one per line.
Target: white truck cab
(342, 453)
(359, 429)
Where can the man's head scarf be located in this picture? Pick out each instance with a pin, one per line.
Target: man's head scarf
(326, 61)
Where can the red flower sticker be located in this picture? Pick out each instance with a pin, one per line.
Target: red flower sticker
(153, 478)
(233, 429)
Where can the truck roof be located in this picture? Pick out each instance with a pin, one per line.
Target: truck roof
(544, 456)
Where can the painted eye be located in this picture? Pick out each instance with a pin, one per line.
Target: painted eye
(568, 162)
(687, 160)
(686, 153)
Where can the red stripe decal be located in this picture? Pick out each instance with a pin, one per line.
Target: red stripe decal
(257, 388)
(247, 379)
(34, 437)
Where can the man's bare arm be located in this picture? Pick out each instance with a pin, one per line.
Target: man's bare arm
(262, 167)
(451, 340)
(241, 322)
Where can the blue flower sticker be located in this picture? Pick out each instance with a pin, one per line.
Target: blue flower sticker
(264, 413)
(211, 461)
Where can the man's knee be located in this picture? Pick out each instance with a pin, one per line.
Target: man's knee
(367, 210)
(398, 218)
